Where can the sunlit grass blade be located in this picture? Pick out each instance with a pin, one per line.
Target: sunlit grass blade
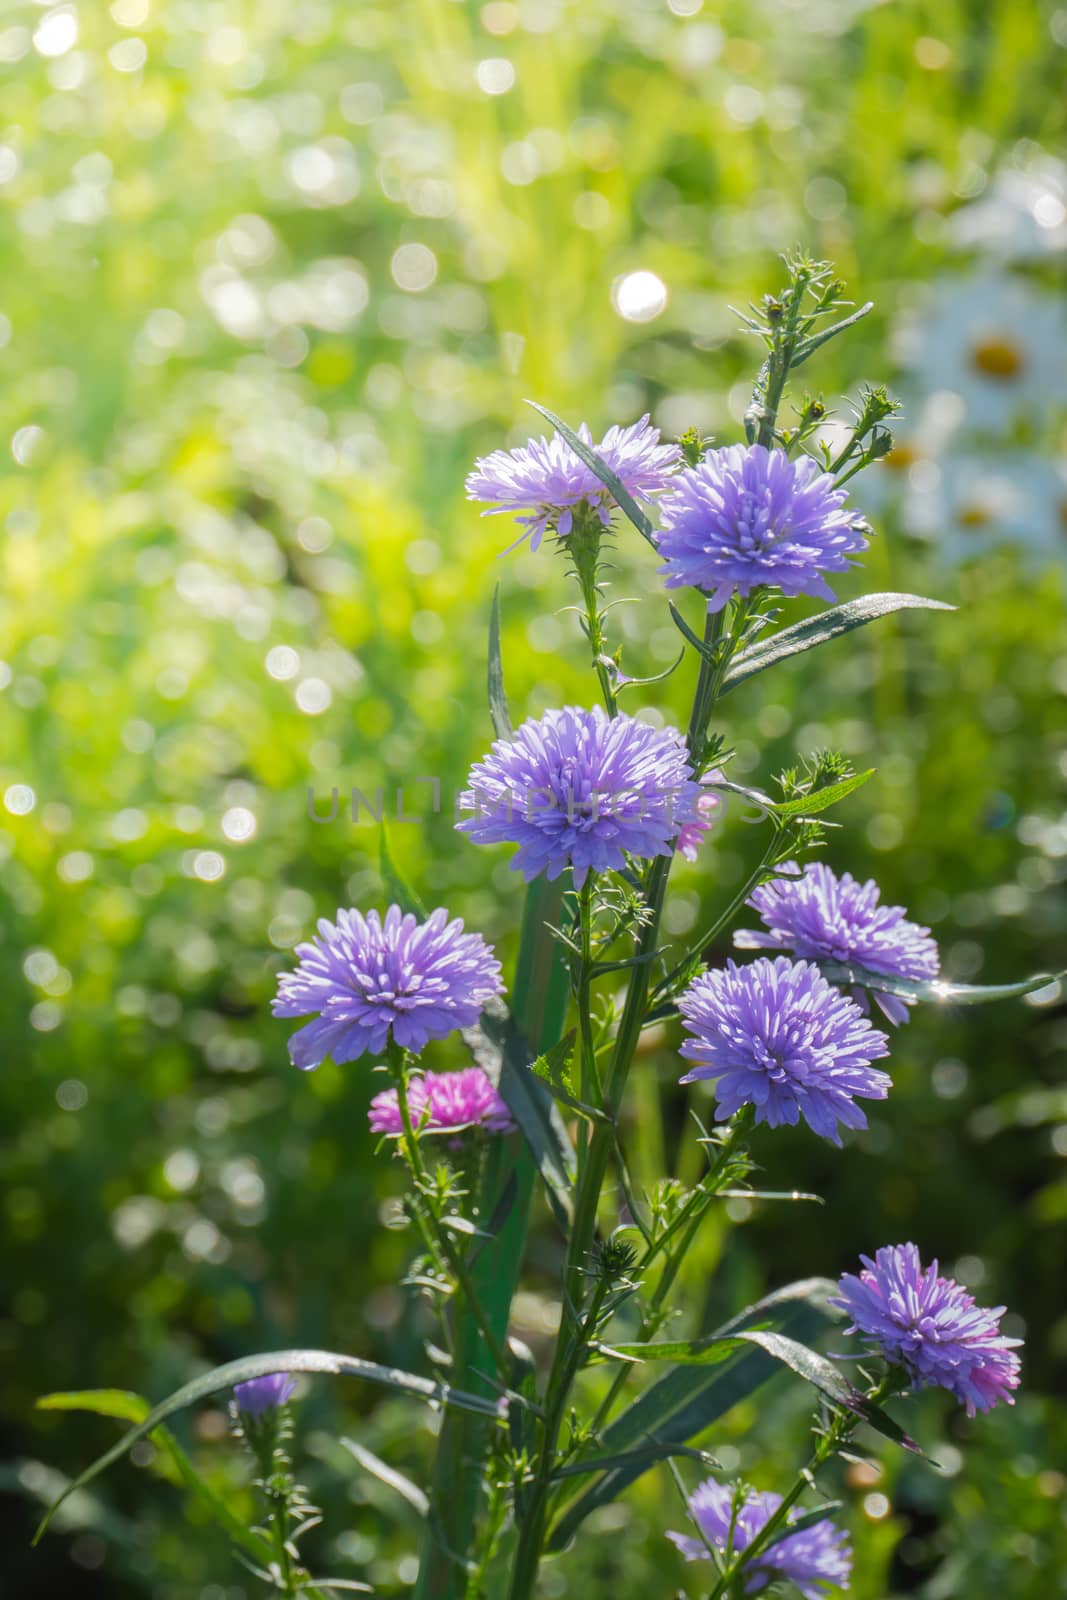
(234, 1372)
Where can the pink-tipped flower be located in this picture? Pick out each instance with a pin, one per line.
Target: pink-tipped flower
(444, 1102)
(691, 836)
(931, 1327)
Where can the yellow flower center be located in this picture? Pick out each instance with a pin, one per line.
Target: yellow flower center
(972, 516)
(998, 357)
(900, 458)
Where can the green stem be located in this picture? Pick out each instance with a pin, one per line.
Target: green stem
(584, 546)
(726, 915)
(687, 1222)
(567, 1358)
(538, 1004)
(441, 1244)
(837, 1434)
(279, 1523)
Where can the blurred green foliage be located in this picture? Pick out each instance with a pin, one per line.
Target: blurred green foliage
(272, 276)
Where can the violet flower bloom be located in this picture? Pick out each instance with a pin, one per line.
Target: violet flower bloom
(450, 1101)
(581, 789)
(691, 837)
(815, 1559)
(547, 482)
(367, 978)
(780, 1038)
(746, 516)
(931, 1327)
(826, 918)
(263, 1394)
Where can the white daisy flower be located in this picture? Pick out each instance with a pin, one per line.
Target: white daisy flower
(994, 340)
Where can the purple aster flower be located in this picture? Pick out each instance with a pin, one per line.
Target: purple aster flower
(453, 1100)
(263, 1394)
(780, 1038)
(691, 837)
(365, 977)
(931, 1327)
(813, 1559)
(748, 516)
(581, 789)
(548, 482)
(826, 918)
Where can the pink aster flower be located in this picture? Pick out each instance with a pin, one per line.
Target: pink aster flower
(691, 836)
(444, 1102)
(931, 1327)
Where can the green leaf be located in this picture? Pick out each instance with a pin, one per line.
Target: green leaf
(647, 1457)
(808, 346)
(234, 1372)
(817, 630)
(809, 1519)
(689, 1399)
(120, 1403)
(388, 1475)
(129, 1407)
(687, 633)
(712, 1352)
(539, 999)
(396, 885)
(553, 1069)
(809, 805)
(619, 493)
(937, 989)
(824, 1375)
(498, 700)
(529, 1101)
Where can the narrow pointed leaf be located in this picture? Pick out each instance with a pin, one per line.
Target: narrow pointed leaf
(498, 700)
(128, 1407)
(646, 1457)
(809, 346)
(809, 1519)
(712, 1352)
(539, 999)
(619, 493)
(234, 1372)
(827, 625)
(396, 885)
(687, 633)
(937, 989)
(688, 1399)
(529, 1101)
(809, 805)
(388, 1475)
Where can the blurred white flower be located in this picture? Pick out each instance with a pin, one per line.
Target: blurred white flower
(1021, 217)
(994, 340)
(976, 504)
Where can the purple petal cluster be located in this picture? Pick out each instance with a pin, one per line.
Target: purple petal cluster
(815, 1559)
(364, 978)
(691, 837)
(581, 789)
(546, 482)
(823, 917)
(448, 1101)
(263, 1394)
(780, 1038)
(746, 516)
(931, 1327)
